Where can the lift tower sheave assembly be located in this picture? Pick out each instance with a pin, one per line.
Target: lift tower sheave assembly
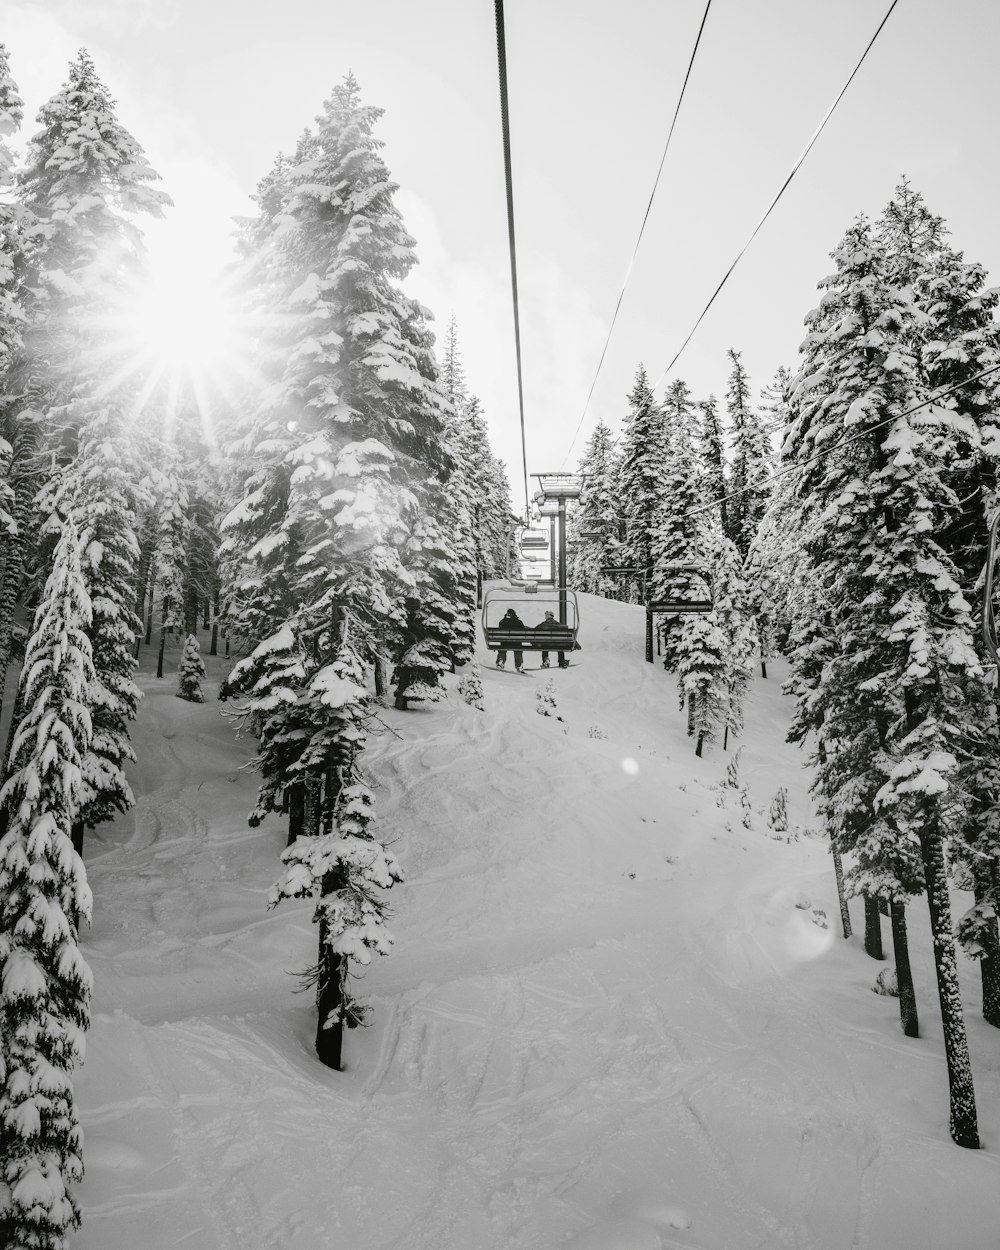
(556, 488)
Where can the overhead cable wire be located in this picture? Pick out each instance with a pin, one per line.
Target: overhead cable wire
(635, 249)
(843, 442)
(784, 186)
(505, 122)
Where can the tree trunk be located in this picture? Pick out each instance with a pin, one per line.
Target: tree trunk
(962, 1121)
(295, 801)
(904, 976)
(206, 618)
(76, 835)
(763, 667)
(332, 967)
(649, 637)
(984, 891)
(380, 675)
(873, 928)
(142, 578)
(190, 613)
(15, 719)
(690, 709)
(725, 737)
(838, 872)
(697, 750)
(12, 574)
(329, 1000)
(163, 647)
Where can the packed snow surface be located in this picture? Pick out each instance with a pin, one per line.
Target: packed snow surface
(615, 1018)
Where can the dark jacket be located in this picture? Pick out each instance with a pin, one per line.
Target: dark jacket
(510, 620)
(549, 626)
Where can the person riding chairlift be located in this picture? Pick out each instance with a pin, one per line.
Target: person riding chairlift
(511, 621)
(549, 624)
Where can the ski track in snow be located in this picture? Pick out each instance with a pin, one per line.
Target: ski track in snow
(606, 1024)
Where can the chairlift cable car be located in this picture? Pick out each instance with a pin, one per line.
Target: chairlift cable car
(533, 601)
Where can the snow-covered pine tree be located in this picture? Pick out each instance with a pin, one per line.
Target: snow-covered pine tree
(355, 389)
(640, 480)
(749, 480)
(17, 469)
(903, 663)
(12, 222)
(192, 672)
(770, 561)
(598, 513)
(99, 490)
(84, 181)
(677, 536)
(545, 700)
(355, 386)
(730, 611)
(956, 338)
(777, 816)
(339, 862)
(470, 686)
(700, 649)
(44, 896)
(712, 457)
(487, 491)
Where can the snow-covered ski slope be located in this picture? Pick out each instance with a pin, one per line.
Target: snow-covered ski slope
(613, 1019)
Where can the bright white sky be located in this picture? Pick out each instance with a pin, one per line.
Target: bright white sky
(213, 89)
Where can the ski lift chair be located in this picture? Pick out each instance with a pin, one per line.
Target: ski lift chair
(531, 603)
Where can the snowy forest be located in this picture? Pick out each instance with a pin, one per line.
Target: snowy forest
(323, 542)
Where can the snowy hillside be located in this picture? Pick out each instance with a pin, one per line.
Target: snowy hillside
(615, 1018)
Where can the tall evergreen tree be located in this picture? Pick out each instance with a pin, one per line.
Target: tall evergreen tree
(749, 480)
(904, 668)
(350, 441)
(641, 468)
(46, 985)
(595, 526)
(954, 339)
(680, 522)
(712, 456)
(99, 492)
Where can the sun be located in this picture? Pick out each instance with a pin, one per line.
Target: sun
(181, 340)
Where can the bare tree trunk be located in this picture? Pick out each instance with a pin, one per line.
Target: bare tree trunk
(763, 667)
(985, 890)
(295, 801)
(143, 589)
(904, 975)
(838, 872)
(962, 1121)
(13, 571)
(163, 647)
(380, 675)
(690, 711)
(873, 928)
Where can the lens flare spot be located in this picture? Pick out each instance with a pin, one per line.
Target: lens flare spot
(630, 767)
(805, 937)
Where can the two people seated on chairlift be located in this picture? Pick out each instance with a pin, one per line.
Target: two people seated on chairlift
(510, 621)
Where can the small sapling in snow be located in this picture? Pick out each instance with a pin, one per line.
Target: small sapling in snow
(192, 672)
(470, 686)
